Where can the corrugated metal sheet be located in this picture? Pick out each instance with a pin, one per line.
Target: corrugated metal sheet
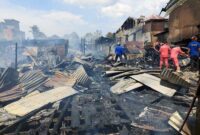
(8, 90)
(125, 86)
(31, 103)
(172, 77)
(11, 94)
(32, 80)
(8, 78)
(60, 79)
(81, 76)
(176, 121)
(154, 83)
(29, 82)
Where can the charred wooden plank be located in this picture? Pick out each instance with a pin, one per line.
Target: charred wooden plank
(60, 118)
(24, 118)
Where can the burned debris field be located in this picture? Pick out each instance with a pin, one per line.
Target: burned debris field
(99, 67)
(92, 101)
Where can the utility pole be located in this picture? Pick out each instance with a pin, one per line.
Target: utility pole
(83, 45)
(16, 56)
(66, 47)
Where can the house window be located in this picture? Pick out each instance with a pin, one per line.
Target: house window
(126, 37)
(134, 37)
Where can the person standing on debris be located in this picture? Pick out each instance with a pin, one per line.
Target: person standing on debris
(164, 54)
(155, 55)
(175, 51)
(194, 49)
(157, 46)
(118, 51)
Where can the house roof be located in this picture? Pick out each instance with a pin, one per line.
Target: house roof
(171, 5)
(126, 24)
(163, 32)
(130, 22)
(104, 40)
(154, 17)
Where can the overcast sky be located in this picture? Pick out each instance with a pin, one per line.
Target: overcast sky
(65, 16)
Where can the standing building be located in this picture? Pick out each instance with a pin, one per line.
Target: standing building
(136, 33)
(10, 31)
(184, 22)
(122, 34)
(104, 45)
(154, 25)
(184, 19)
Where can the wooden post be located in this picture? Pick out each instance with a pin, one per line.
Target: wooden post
(197, 131)
(109, 50)
(16, 56)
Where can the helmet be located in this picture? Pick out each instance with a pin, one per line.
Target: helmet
(194, 38)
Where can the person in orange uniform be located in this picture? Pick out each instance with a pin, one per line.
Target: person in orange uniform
(175, 51)
(164, 54)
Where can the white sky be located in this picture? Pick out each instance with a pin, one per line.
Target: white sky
(65, 16)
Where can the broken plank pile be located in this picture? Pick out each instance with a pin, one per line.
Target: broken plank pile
(32, 105)
(77, 99)
(82, 62)
(143, 77)
(166, 84)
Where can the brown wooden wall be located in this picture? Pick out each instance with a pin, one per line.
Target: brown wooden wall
(183, 21)
(155, 25)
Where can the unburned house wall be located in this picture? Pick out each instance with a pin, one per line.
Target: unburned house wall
(183, 21)
(155, 25)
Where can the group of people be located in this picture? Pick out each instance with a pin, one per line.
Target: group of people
(167, 51)
(193, 52)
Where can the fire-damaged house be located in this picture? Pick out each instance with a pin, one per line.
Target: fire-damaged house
(46, 52)
(184, 19)
(77, 87)
(131, 30)
(131, 35)
(138, 33)
(142, 29)
(153, 25)
(104, 44)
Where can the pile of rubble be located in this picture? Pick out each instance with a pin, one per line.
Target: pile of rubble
(87, 96)
(164, 96)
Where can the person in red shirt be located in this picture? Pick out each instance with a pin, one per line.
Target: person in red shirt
(164, 54)
(175, 51)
